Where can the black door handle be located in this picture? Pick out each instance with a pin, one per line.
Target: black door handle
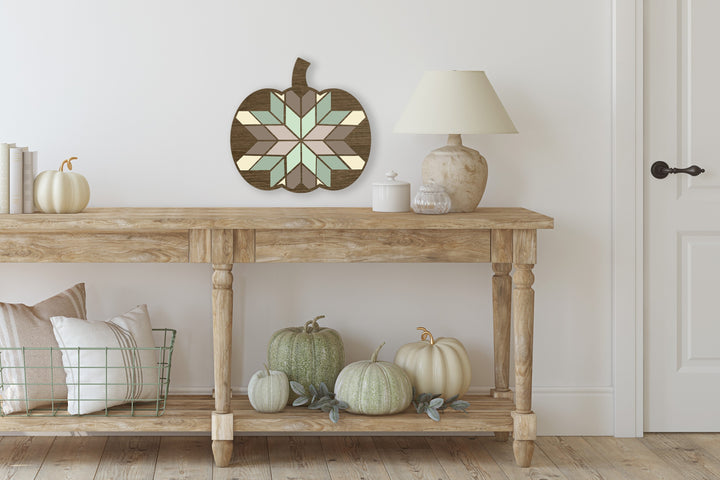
(661, 170)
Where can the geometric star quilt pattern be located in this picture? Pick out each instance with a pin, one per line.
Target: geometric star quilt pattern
(300, 139)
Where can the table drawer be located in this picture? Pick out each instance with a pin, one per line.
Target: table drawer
(100, 247)
(296, 246)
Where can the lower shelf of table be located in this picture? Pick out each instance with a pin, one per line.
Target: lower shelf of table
(193, 413)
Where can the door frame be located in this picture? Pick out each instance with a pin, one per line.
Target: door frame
(627, 247)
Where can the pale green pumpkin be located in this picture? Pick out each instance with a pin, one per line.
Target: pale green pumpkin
(374, 388)
(308, 355)
(268, 390)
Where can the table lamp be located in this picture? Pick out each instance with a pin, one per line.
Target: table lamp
(455, 103)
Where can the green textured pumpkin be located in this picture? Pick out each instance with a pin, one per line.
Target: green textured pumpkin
(308, 355)
(374, 388)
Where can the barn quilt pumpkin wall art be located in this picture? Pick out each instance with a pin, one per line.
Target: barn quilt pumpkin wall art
(300, 139)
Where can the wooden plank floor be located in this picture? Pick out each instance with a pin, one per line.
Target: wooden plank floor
(657, 456)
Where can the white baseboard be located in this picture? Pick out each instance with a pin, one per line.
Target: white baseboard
(570, 410)
(574, 410)
(560, 410)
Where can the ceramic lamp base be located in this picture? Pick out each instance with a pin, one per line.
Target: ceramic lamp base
(461, 170)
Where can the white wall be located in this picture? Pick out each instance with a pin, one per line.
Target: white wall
(144, 94)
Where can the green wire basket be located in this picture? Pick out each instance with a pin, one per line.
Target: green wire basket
(55, 407)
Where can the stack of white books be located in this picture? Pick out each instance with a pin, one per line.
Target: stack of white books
(18, 169)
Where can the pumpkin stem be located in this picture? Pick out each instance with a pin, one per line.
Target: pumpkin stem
(267, 370)
(314, 327)
(373, 359)
(426, 334)
(299, 79)
(67, 162)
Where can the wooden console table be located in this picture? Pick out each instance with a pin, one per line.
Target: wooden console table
(505, 237)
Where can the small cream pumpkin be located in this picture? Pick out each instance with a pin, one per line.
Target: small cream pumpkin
(268, 390)
(61, 192)
(437, 365)
(374, 388)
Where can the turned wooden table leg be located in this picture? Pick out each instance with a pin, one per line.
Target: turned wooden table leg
(222, 303)
(524, 422)
(502, 294)
(222, 421)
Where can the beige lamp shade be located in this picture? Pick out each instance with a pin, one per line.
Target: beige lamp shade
(459, 102)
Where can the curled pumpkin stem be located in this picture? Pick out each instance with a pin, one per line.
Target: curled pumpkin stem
(426, 334)
(67, 162)
(374, 356)
(312, 325)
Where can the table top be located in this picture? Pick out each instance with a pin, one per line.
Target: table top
(327, 218)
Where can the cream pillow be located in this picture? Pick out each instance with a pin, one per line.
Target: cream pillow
(98, 378)
(24, 326)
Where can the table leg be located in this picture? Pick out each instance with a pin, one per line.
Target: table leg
(502, 294)
(524, 422)
(222, 421)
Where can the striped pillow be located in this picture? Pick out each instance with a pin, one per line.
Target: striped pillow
(99, 378)
(24, 326)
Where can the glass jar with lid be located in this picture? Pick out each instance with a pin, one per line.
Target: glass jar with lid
(431, 199)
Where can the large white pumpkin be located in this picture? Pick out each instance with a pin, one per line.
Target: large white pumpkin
(374, 388)
(435, 365)
(57, 191)
(268, 390)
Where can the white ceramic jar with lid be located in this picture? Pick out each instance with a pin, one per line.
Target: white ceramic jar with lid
(391, 195)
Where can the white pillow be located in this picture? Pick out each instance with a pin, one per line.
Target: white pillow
(99, 379)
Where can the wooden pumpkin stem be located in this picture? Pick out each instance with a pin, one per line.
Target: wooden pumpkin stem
(267, 370)
(312, 325)
(299, 75)
(373, 359)
(426, 334)
(67, 162)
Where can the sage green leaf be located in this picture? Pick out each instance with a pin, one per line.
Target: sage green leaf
(320, 402)
(334, 415)
(436, 402)
(433, 413)
(313, 390)
(300, 401)
(297, 387)
(460, 405)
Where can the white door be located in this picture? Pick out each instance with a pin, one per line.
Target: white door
(682, 216)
